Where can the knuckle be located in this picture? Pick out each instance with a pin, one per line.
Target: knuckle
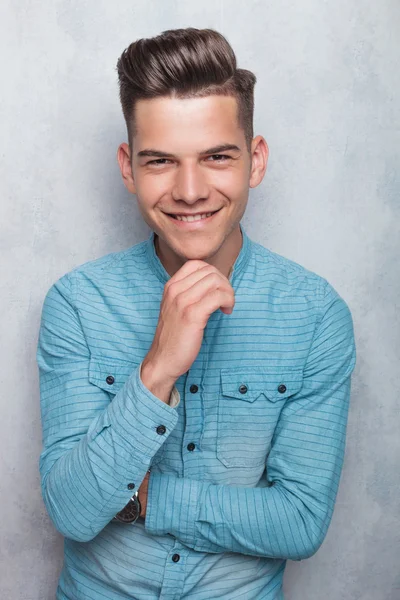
(194, 264)
(179, 301)
(188, 313)
(169, 288)
(216, 276)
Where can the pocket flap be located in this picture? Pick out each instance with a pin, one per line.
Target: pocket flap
(248, 383)
(110, 374)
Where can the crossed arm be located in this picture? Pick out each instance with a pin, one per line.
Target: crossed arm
(290, 518)
(94, 448)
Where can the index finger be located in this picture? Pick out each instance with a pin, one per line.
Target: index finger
(190, 266)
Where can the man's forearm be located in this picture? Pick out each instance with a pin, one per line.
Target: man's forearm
(85, 485)
(268, 522)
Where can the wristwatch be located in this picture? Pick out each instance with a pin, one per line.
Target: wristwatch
(131, 512)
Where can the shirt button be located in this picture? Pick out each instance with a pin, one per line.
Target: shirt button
(191, 446)
(282, 388)
(194, 388)
(110, 380)
(161, 429)
(243, 389)
(131, 486)
(176, 557)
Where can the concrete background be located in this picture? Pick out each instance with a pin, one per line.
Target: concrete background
(327, 102)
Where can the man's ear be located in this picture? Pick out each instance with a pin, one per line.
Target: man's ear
(124, 161)
(259, 160)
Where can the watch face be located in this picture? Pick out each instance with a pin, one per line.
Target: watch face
(130, 512)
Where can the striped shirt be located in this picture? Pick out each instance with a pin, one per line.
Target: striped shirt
(244, 473)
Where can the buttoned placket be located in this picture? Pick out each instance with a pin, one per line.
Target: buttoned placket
(174, 573)
(193, 402)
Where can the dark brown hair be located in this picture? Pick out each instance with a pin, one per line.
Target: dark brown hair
(184, 63)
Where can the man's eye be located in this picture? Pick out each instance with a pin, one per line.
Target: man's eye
(219, 157)
(157, 161)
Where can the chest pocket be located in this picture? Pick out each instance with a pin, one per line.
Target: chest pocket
(249, 404)
(110, 375)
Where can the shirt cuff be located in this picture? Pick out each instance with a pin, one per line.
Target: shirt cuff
(135, 415)
(172, 506)
(174, 398)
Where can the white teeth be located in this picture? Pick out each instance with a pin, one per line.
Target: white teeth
(193, 218)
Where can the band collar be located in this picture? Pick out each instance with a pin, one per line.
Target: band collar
(238, 266)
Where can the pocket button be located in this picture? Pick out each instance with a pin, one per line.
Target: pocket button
(282, 388)
(243, 389)
(110, 380)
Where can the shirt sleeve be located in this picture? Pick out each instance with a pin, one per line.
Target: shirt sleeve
(289, 518)
(92, 447)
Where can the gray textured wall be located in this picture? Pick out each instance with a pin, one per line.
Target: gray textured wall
(327, 102)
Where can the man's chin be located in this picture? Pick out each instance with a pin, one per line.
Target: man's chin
(195, 251)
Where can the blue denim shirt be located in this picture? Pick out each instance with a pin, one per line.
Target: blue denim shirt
(245, 471)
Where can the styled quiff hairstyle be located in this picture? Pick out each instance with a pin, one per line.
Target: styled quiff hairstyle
(184, 63)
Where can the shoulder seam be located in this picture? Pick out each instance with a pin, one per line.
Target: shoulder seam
(74, 286)
(322, 284)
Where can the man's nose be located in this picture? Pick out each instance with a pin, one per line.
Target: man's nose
(190, 183)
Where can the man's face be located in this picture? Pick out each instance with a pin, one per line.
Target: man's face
(178, 165)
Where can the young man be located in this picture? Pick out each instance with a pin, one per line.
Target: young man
(195, 386)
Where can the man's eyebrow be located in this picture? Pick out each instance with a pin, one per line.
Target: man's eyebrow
(214, 150)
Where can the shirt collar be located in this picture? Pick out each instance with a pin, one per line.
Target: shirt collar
(237, 267)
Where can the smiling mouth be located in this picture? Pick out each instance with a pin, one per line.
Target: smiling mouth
(194, 218)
